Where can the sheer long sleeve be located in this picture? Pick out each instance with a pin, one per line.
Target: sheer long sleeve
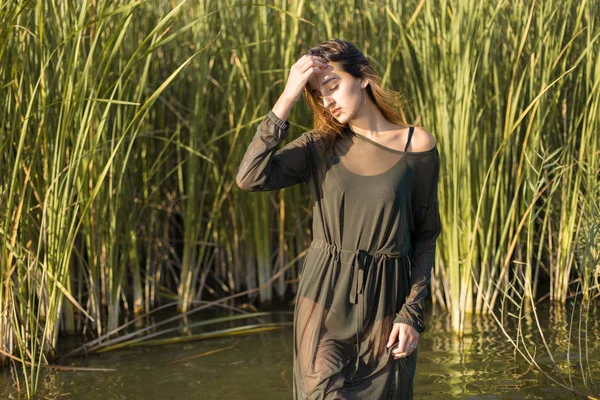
(426, 227)
(263, 167)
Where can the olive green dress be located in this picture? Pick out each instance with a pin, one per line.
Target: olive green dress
(375, 224)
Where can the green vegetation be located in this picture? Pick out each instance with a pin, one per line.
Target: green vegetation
(122, 124)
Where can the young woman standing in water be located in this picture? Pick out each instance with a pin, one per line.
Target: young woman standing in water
(373, 181)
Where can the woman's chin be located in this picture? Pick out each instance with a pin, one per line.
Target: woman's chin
(343, 117)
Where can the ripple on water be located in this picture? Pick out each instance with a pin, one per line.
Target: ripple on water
(480, 365)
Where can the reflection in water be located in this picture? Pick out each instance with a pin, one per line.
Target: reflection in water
(480, 365)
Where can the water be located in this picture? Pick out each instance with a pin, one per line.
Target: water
(480, 365)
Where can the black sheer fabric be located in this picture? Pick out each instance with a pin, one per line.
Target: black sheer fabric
(375, 224)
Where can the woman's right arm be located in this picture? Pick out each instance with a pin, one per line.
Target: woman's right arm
(263, 167)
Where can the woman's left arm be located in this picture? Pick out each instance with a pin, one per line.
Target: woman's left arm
(426, 228)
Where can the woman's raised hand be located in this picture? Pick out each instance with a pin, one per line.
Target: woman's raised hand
(300, 73)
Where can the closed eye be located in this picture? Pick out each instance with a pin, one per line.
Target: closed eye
(332, 89)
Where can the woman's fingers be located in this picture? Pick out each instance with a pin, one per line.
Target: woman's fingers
(311, 63)
(306, 62)
(401, 350)
(393, 335)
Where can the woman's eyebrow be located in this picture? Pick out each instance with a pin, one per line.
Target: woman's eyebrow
(325, 81)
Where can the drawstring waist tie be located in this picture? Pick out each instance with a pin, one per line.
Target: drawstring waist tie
(362, 261)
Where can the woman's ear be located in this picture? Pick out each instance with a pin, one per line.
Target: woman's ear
(364, 84)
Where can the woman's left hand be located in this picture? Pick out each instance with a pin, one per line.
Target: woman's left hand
(408, 339)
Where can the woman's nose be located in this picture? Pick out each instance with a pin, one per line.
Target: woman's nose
(327, 101)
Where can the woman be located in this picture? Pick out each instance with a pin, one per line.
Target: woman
(373, 181)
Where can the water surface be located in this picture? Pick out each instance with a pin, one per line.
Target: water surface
(480, 365)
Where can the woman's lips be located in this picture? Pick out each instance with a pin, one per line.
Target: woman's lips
(336, 111)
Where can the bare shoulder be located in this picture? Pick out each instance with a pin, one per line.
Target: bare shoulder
(421, 140)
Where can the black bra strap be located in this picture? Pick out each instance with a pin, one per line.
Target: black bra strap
(410, 133)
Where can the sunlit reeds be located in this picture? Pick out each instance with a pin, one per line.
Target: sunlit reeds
(122, 124)
(77, 97)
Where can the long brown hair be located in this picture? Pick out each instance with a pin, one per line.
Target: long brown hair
(352, 61)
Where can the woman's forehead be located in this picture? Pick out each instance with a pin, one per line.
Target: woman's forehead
(322, 77)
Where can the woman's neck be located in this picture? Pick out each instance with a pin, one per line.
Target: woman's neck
(370, 122)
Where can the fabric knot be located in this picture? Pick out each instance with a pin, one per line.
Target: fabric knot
(358, 275)
(334, 251)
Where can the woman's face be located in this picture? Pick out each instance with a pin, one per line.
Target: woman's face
(334, 90)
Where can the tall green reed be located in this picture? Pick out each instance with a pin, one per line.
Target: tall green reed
(491, 80)
(73, 109)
